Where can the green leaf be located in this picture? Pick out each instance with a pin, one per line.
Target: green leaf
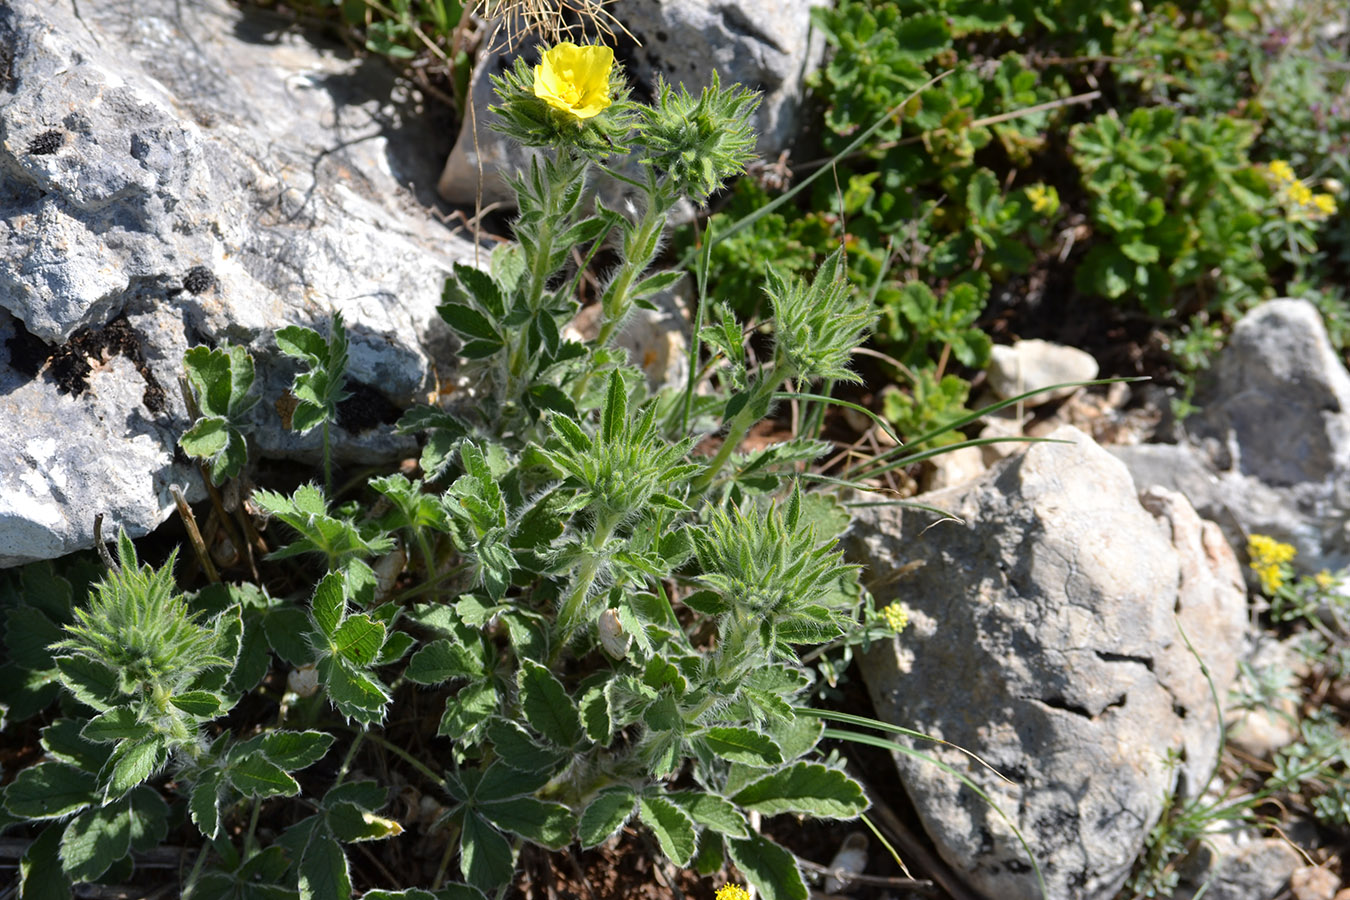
(204, 802)
(673, 828)
(95, 839)
(547, 824)
(351, 823)
(330, 603)
(64, 740)
(711, 811)
(115, 725)
(518, 750)
(207, 438)
(50, 790)
(809, 788)
(440, 661)
(596, 714)
(355, 694)
(293, 750)
(485, 855)
(613, 418)
(256, 776)
(302, 343)
(474, 703)
(41, 876)
(469, 322)
(359, 639)
(743, 746)
(286, 629)
(202, 704)
(546, 705)
(605, 815)
(92, 683)
(323, 869)
(132, 763)
(771, 869)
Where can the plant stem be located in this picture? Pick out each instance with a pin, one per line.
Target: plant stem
(327, 462)
(570, 614)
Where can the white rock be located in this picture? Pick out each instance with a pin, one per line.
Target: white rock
(1044, 640)
(1036, 364)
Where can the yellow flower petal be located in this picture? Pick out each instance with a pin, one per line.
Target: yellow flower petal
(575, 80)
(1281, 170)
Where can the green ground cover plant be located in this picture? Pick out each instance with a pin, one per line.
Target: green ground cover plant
(613, 628)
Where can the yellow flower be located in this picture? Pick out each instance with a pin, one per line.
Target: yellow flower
(1043, 199)
(1300, 193)
(1270, 560)
(575, 79)
(1281, 170)
(1324, 579)
(1325, 203)
(896, 616)
(732, 892)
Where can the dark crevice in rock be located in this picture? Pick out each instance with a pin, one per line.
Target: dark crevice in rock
(1145, 661)
(365, 409)
(1063, 704)
(70, 364)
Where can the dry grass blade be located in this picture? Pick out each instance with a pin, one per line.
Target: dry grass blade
(552, 20)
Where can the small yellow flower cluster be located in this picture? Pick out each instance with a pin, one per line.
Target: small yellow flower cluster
(1300, 200)
(732, 892)
(1044, 200)
(1270, 561)
(1324, 580)
(896, 616)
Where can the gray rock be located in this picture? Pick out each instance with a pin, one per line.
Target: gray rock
(1044, 640)
(199, 174)
(1035, 364)
(1226, 868)
(1275, 425)
(766, 45)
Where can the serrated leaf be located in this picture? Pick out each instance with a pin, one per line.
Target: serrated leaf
(301, 343)
(95, 839)
(469, 322)
(287, 629)
(359, 639)
(743, 746)
(329, 604)
(206, 438)
(132, 763)
(672, 827)
(468, 709)
(204, 802)
(28, 634)
(596, 714)
(546, 705)
(256, 776)
(64, 741)
(605, 815)
(323, 869)
(355, 694)
(547, 824)
(771, 869)
(485, 855)
(294, 750)
(440, 661)
(41, 876)
(115, 725)
(92, 683)
(711, 811)
(203, 704)
(614, 415)
(351, 823)
(518, 750)
(809, 788)
(50, 790)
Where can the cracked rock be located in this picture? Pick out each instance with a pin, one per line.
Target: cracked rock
(191, 173)
(1044, 639)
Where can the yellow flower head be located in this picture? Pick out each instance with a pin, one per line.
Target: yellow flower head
(1270, 559)
(1300, 193)
(1325, 203)
(896, 616)
(1044, 200)
(732, 892)
(575, 79)
(1324, 580)
(1281, 170)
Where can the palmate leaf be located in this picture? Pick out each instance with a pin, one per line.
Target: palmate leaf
(97, 838)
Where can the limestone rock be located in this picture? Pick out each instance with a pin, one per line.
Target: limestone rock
(766, 45)
(1043, 638)
(190, 173)
(1229, 869)
(1035, 364)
